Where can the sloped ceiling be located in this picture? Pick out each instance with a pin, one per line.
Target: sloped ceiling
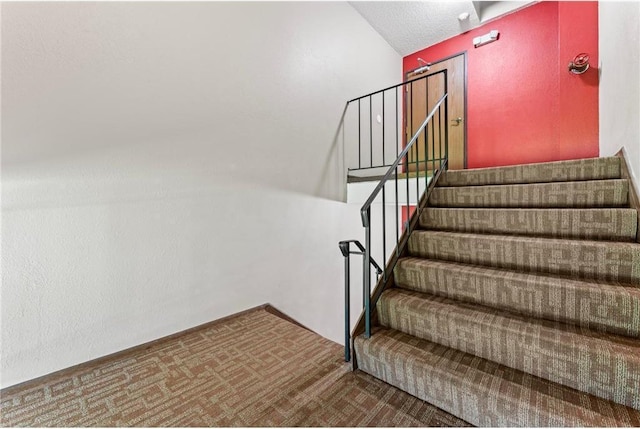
(409, 26)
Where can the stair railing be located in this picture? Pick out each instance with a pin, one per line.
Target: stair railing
(345, 248)
(365, 211)
(432, 134)
(375, 122)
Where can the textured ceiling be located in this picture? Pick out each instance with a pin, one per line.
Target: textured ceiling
(409, 26)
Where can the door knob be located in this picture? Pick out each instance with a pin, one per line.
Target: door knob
(457, 120)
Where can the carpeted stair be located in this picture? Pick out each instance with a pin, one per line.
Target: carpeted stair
(519, 301)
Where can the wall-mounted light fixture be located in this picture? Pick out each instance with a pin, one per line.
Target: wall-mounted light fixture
(579, 64)
(491, 36)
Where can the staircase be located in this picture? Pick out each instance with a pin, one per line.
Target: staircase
(518, 303)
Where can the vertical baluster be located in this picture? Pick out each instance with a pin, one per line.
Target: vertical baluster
(418, 168)
(406, 178)
(426, 144)
(367, 274)
(410, 114)
(397, 145)
(396, 175)
(440, 134)
(384, 233)
(408, 224)
(446, 117)
(359, 135)
(371, 130)
(347, 308)
(397, 209)
(383, 121)
(410, 151)
(433, 141)
(417, 146)
(346, 253)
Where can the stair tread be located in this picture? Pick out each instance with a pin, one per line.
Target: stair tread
(518, 302)
(586, 193)
(566, 354)
(520, 238)
(585, 259)
(571, 170)
(605, 306)
(616, 224)
(479, 391)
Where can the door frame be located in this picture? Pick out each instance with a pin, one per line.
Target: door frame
(466, 113)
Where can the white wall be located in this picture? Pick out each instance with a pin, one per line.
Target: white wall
(167, 164)
(619, 46)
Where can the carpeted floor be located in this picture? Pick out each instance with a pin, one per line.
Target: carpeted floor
(255, 369)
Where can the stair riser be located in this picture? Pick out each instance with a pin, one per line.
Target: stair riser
(613, 309)
(572, 258)
(564, 171)
(519, 302)
(590, 194)
(594, 224)
(589, 364)
(481, 392)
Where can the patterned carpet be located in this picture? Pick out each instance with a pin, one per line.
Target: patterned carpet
(255, 369)
(616, 224)
(591, 193)
(561, 171)
(591, 260)
(518, 301)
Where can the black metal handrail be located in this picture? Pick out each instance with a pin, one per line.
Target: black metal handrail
(346, 252)
(365, 211)
(392, 168)
(390, 120)
(434, 133)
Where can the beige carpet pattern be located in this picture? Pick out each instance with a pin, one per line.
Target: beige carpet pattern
(517, 302)
(480, 391)
(599, 260)
(604, 365)
(592, 193)
(252, 370)
(603, 307)
(594, 224)
(560, 171)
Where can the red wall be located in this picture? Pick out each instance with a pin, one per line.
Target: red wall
(523, 105)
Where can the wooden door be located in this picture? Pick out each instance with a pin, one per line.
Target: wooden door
(421, 98)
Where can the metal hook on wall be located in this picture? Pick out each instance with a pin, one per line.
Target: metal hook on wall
(579, 64)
